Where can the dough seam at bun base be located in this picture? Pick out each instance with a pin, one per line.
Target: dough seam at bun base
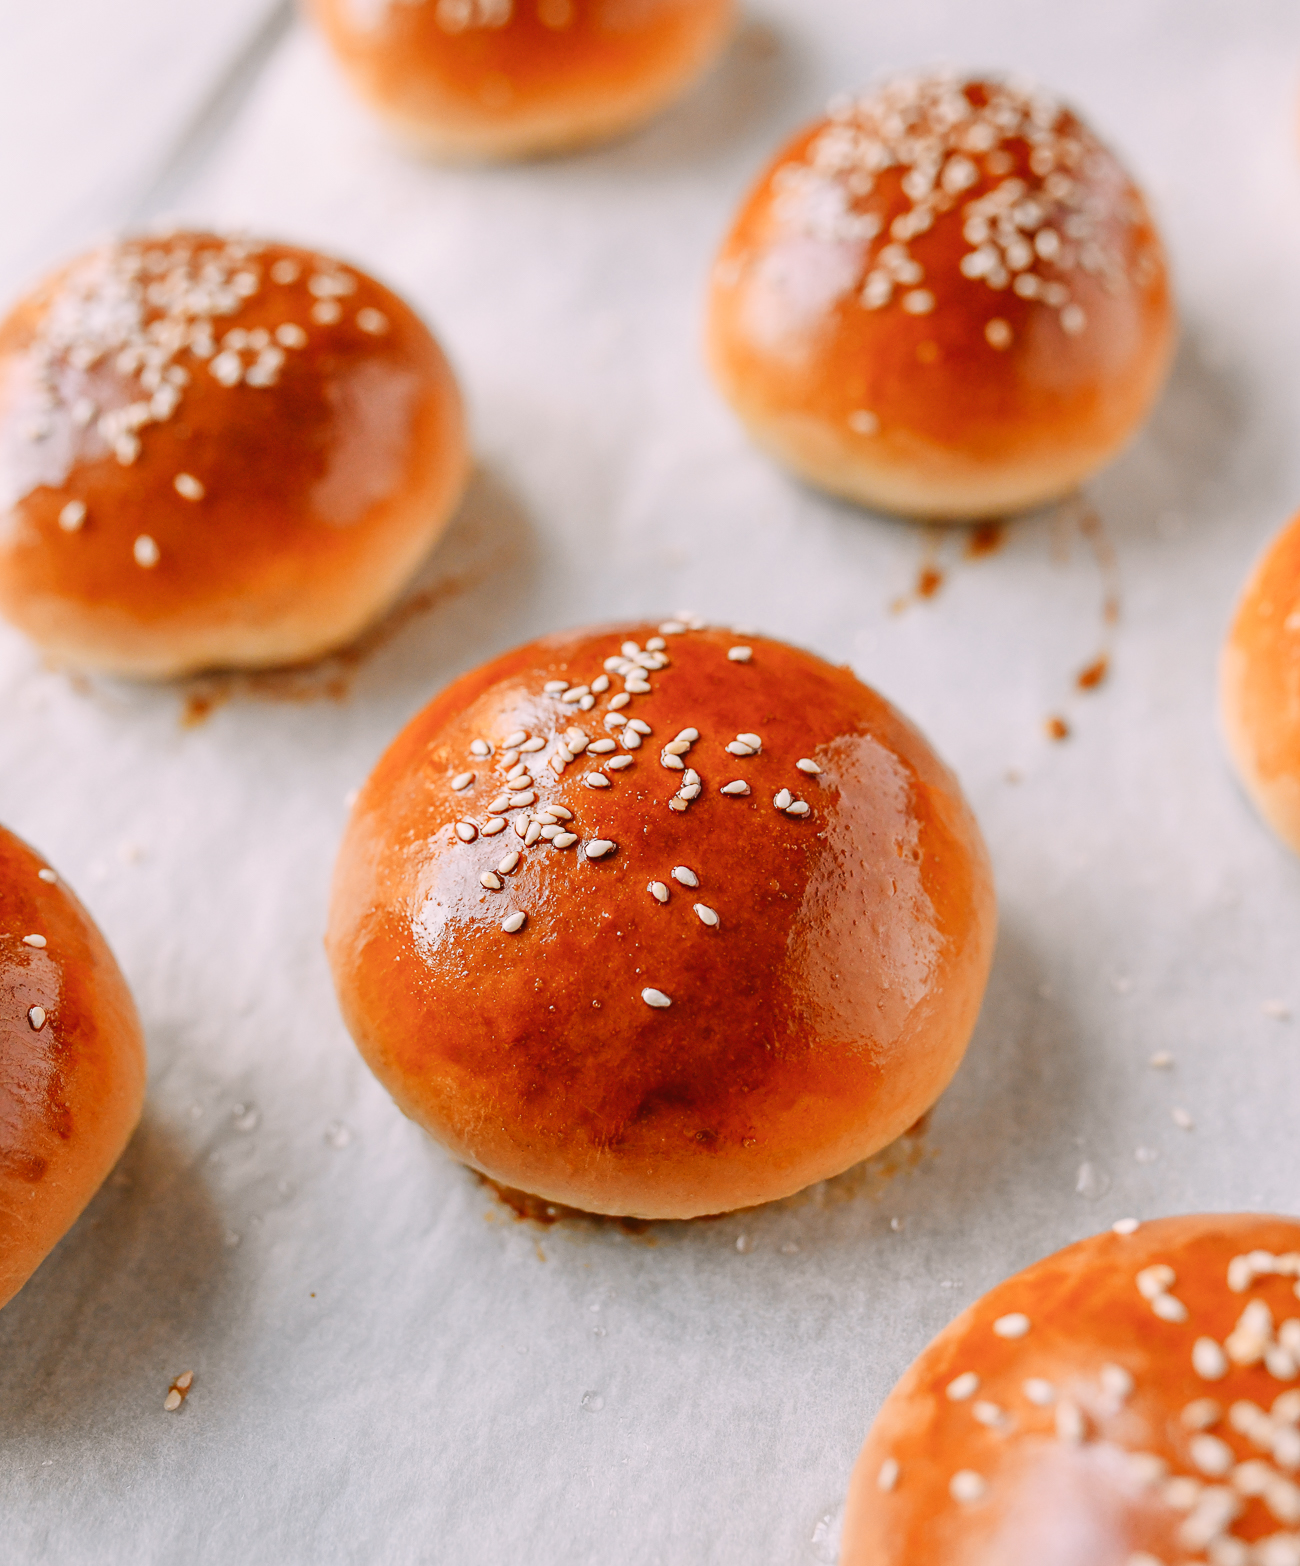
(1132, 1399)
(1259, 685)
(611, 952)
(216, 452)
(72, 1062)
(519, 88)
(953, 334)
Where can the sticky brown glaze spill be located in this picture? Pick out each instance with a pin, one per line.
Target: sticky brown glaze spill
(1095, 674)
(721, 975)
(72, 1064)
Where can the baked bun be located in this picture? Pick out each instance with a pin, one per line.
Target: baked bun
(661, 925)
(1260, 686)
(1131, 1401)
(947, 299)
(481, 79)
(72, 1063)
(216, 453)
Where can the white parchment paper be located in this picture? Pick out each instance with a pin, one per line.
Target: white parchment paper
(388, 1365)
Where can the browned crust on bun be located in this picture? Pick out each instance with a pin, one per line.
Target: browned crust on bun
(499, 79)
(947, 299)
(216, 453)
(1260, 686)
(72, 1062)
(1132, 1400)
(716, 998)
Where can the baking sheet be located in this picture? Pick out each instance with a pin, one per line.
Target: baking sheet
(388, 1364)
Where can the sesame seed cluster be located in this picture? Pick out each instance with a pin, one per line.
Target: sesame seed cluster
(524, 766)
(1036, 195)
(1234, 1484)
(130, 326)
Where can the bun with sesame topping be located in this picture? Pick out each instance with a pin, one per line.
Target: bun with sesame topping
(216, 453)
(495, 79)
(643, 928)
(1133, 1400)
(946, 299)
(1260, 686)
(72, 1063)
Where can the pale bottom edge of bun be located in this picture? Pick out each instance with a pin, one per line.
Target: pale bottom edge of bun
(930, 485)
(447, 133)
(746, 1188)
(114, 644)
(1277, 799)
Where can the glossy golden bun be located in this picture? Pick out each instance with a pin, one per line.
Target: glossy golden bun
(488, 79)
(712, 998)
(947, 299)
(72, 1062)
(1132, 1400)
(1260, 686)
(215, 452)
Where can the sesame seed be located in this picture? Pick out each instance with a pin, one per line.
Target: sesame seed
(559, 812)
(72, 516)
(684, 876)
(491, 881)
(188, 487)
(1125, 1226)
(614, 720)
(737, 788)
(967, 1487)
(753, 740)
(1015, 1325)
(462, 780)
(517, 738)
(1116, 1382)
(291, 335)
(1168, 1308)
(783, 800)
(601, 747)
(655, 644)
(508, 863)
(630, 649)
(172, 1401)
(1070, 1424)
(688, 791)
(564, 840)
(655, 998)
(1211, 1455)
(739, 748)
(146, 552)
(575, 693)
(373, 321)
(687, 737)
(677, 803)
(531, 746)
(1155, 1280)
(617, 763)
(480, 748)
(500, 803)
(673, 763)
(799, 808)
(918, 301)
(962, 1387)
(326, 311)
(1073, 320)
(47, 875)
(997, 332)
(1208, 1360)
(1039, 1392)
(989, 1414)
(637, 687)
(527, 797)
(630, 739)
(595, 780)
(658, 891)
(513, 922)
(805, 764)
(36, 1017)
(227, 367)
(34, 940)
(863, 422)
(531, 833)
(639, 726)
(707, 915)
(1200, 1414)
(466, 831)
(1181, 1118)
(598, 848)
(519, 770)
(493, 825)
(555, 687)
(739, 654)
(560, 760)
(887, 1478)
